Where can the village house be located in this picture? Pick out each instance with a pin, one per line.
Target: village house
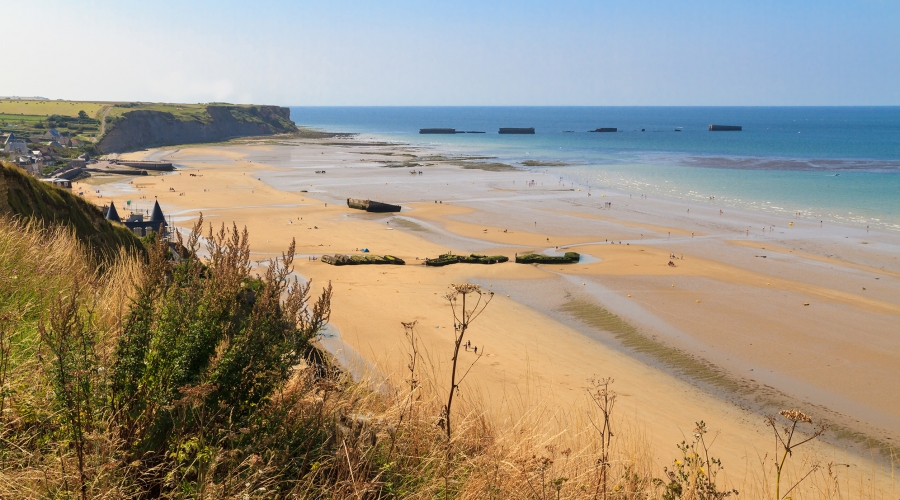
(13, 145)
(51, 135)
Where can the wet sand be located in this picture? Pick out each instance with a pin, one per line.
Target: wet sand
(724, 335)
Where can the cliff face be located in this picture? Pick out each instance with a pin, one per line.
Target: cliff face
(141, 129)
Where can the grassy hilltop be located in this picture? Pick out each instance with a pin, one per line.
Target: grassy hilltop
(101, 127)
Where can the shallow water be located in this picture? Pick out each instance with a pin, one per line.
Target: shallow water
(826, 163)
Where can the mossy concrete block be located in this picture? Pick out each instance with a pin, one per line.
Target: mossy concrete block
(447, 259)
(533, 258)
(358, 260)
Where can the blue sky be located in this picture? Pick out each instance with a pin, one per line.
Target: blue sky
(457, 53)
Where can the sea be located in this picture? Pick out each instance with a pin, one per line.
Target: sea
(839, 164)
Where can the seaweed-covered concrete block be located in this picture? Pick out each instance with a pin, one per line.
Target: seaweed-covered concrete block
(533, 258)
(446, 259)
(357, 260)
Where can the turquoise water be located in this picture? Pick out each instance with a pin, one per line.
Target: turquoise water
(832, 163)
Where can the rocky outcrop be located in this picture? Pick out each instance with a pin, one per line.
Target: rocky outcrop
(141, 129)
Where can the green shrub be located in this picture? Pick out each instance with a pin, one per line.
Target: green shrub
(205, 345)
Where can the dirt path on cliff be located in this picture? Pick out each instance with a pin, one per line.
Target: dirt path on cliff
(103, 122)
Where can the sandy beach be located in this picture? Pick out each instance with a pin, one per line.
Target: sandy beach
(758, 312)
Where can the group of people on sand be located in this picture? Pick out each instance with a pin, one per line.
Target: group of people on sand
(468, 345)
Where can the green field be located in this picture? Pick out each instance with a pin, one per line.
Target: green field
(9, 120)
(48, 108)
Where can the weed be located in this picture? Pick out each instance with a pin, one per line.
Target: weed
(785, 445)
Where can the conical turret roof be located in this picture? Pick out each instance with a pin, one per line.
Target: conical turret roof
(157, 215)
(112, 214)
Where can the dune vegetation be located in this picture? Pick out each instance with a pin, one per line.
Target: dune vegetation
(166, 375)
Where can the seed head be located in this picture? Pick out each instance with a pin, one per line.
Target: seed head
(795, 416)
(466, 288)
